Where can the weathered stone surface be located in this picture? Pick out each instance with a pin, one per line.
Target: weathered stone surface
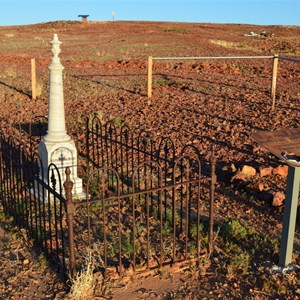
(278, 199)
(248, 171)
(281, 171)
(265, 171)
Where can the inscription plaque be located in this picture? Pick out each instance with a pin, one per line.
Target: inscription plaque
(285, 144)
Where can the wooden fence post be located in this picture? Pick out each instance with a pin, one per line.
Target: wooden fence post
(150, 63)
(33, 79)
(274, 80)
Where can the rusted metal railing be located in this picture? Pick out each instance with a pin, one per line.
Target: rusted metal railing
(133, 229)
(34, 200)
(143, 207)
(212, 199)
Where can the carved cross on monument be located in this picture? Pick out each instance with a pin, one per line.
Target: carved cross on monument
(61, 158)
(57, 146)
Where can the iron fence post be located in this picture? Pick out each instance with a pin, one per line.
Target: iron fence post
(212, 198)
(1, 163)
(70, 207)
(87, 141)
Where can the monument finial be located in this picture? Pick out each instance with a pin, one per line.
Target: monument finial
(55, 47)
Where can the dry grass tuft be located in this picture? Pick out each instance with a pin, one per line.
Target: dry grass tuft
(39, 89)
(230, 45)
(10, 72)
(84, 283)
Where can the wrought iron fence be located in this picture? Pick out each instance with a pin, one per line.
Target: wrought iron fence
(34, 200)
(146, 206)
(147, 203)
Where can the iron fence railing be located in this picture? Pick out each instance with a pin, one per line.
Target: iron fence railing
(34, 200)
(157, 223)
(147, 203)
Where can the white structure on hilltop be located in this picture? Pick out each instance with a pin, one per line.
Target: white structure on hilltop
(56, 146)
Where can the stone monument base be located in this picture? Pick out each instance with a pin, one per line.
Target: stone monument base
(60, 156)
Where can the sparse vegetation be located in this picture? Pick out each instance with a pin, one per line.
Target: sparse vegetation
(230, 45)
(177, 30)
(199, 103)
(84, 283)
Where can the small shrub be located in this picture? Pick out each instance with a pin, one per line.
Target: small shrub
(162, 82)
(101, 116)
(238, 264)
(118, 121)
(43, 261)
(127, 246)
(167, 229)
(177, 30)
(258, 242)
(233, 229)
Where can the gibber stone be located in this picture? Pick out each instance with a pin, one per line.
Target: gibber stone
(57, 147)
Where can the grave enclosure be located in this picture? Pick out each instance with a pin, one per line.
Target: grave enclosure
(146, 204)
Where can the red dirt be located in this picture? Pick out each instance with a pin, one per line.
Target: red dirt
(199, 102)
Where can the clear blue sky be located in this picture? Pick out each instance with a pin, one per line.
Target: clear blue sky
(262, 12)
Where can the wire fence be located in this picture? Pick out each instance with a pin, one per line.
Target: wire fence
(275, 61)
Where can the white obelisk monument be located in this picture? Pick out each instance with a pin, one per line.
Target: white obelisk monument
(56, 146)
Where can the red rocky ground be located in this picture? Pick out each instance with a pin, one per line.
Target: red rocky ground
(198, 102)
